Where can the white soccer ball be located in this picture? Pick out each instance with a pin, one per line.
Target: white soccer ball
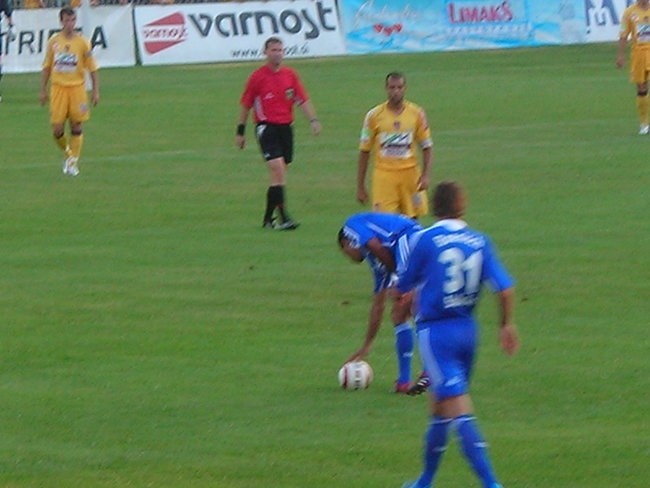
(355, 375)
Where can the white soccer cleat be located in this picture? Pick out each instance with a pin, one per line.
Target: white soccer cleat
(70, 166)
(644, 129)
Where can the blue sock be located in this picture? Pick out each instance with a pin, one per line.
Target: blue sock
(475, 450)
(435, 445)
(404, 351)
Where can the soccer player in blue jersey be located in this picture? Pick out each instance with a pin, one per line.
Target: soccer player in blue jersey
(381, 240)
(447, 264)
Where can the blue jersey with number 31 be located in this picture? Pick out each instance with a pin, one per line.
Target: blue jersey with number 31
(447, 265)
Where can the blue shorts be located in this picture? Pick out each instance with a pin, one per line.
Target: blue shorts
(447, 349)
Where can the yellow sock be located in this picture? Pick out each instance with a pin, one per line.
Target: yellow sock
(643, 108)
(62, 142)
(76, 141)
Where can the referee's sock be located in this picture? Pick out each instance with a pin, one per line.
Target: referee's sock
(273, 197)
(284, 216)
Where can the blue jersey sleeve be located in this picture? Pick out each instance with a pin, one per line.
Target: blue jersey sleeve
(409, 272)
(381, 276)
(495, 274)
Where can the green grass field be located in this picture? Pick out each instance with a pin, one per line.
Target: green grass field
(153, 335)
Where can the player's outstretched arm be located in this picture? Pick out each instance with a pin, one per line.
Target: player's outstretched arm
(374, 322)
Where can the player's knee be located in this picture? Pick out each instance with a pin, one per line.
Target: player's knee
(76, 131)
(642, 92)
(400, 311)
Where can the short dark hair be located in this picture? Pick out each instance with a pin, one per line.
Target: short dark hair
(66, 11)
(395, 75)
(272, 40)
(448, 200)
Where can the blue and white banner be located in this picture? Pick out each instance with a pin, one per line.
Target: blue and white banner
(422, 25)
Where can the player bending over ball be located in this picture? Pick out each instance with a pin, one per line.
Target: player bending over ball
(381, 239)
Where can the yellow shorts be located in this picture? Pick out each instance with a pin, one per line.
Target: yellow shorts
(639, 65)
(68, 102)
(396, 192)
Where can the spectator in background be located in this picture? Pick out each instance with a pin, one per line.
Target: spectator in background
(34, 4)
(77, 3)
(6, 9)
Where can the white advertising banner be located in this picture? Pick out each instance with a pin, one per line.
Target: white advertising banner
(236, 31)
(603, 18)
(110, 30)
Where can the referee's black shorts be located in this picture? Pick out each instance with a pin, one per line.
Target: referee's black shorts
(275, 140)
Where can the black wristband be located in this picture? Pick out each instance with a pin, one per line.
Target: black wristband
(241, 129)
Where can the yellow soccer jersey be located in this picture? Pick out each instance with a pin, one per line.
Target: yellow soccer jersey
(635, 26)
(68, 59)
(393, 137)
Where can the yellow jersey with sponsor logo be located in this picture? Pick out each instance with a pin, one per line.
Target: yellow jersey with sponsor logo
(68, 59)
(393, 137)
(635, 26)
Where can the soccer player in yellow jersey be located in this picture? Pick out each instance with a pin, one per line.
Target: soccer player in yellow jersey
(393, 132)
(67, 59)
(635, 27)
